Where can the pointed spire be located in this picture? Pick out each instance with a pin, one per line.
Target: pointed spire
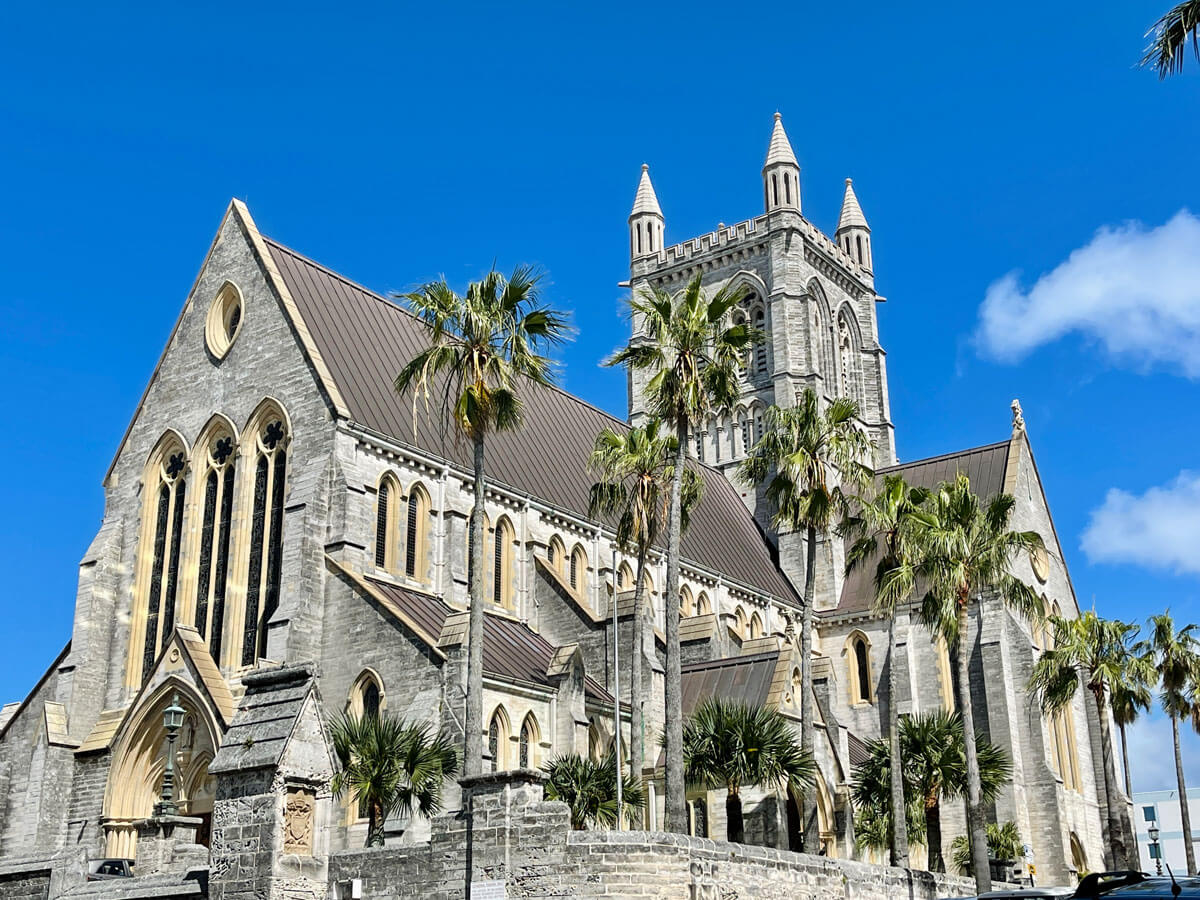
(852, 214)
(780, 151)
(645, 201)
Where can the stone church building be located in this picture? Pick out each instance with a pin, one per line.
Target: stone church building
(284, 540)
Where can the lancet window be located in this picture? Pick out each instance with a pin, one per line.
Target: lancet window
(266, 536)
(216, 526)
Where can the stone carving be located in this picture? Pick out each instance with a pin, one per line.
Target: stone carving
(298, 822)
(1018, 419)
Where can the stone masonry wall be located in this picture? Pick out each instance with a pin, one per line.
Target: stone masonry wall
(526, 842)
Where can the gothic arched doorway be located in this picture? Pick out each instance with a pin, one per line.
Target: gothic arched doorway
(139, 760)
(825, 820)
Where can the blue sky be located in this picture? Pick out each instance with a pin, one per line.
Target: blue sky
(395, 144)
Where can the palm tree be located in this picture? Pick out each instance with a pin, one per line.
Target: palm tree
(1176, 656)
(1171, 34)
(801, 456)
(693, 355)
(731, 744)
(589, 788)
(883, 528)
(1129, 699)
(1004, 842)
(482, 346)
(966, 553)
(935, 769)
(635, 468)
(392, 766)
(1097, 653)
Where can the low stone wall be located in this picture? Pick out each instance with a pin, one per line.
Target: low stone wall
(523, 846)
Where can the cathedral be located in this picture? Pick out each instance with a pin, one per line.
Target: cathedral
(285, 539)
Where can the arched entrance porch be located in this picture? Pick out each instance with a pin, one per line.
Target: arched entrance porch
(139, 760)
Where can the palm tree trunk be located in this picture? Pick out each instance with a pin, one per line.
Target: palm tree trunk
(374, 824)
(1125, 760)
(636, 726)
(473, 722)
(1116, 833)
(975, 829)
(676, 807)
(812, 840)
(1184, 814)
(899, 809)
(735, 825)
(933, 836)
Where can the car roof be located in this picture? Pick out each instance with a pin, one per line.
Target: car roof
(1158, 887)
(1049, 891)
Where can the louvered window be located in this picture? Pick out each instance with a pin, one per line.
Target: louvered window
(381, 525)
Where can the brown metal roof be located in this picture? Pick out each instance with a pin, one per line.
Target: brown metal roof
(365, 340)
(746, 678)
(984, 466)
(511, 650)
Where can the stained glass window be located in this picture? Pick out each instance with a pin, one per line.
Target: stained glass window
(494, 742)
(524, 745)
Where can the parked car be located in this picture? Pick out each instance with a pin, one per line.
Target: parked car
(104, 869)
(1168, 888)
(1090, 887)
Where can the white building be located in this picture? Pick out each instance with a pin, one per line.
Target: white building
(1161, 808)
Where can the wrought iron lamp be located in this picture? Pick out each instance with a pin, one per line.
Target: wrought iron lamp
(172, 722)
(1155, 850)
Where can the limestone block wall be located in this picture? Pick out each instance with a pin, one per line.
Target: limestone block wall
(519, 838)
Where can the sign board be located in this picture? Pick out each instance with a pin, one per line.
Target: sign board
(491, 889)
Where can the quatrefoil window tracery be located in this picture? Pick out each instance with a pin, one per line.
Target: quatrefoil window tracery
(222, 451)
(175, 465)
(272, 435)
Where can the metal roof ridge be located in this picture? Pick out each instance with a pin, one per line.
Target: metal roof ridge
(726, 661)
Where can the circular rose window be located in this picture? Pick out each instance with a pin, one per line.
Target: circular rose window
(224, 320)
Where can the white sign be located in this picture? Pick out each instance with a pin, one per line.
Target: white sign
(493, 889)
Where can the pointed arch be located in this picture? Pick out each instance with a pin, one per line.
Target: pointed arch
(703, 604)
(499, 732)
(265, 445)
(687, 605)
(139, 759)
(756, 626)
(857, 651)
(820, 328)
(556, 554)
(528, 753)
(214, 459)
(849, 354)
(740, 623)
(156, 580)
(367, 696)
(502, 564)
(416, 533)
(579, 570)
(388, 497)
(625, 577)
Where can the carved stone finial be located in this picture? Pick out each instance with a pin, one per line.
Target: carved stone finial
(789, 627)
(1018, 420)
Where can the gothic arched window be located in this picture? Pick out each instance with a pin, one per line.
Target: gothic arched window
(686, 604)
(216, 525)
(387, 513)
(527, 745)
(162, 537)
(761, 366)
(502, 565)
(859, 662)
(497, 736)
(756, 627)
(703, 605)
(416, 528)
(579, 566)
(266, 536)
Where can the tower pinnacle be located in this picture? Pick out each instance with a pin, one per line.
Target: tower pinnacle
(781, 172)
(646, 224)
(853, 234)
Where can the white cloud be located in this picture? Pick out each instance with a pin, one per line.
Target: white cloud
(1159, 529)
(1134, 290)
